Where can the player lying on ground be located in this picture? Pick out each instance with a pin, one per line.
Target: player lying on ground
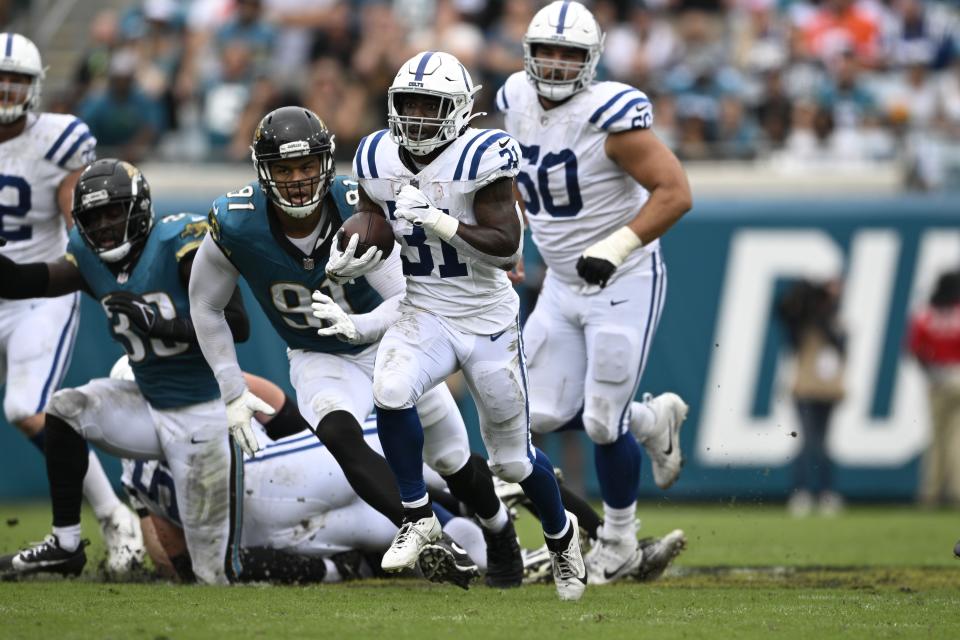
(138, 269)
(41, 156)
(278, 233)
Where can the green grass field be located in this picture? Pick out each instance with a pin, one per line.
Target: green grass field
(749, 572)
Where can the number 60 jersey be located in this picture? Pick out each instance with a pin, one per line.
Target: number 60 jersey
(575, 195)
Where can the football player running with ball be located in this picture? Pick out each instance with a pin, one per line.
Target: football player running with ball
(41, 155)
(447, 190)
(280, 233)
(600, 189)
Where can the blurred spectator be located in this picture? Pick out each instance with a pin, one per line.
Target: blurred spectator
(247, 25)
(921, 30)
(737, 134)
(843, 25)
(504, 51)
(92, 69)
(809, 313)
(774, 109)
(642, 48)
(934, 338)
(123, 118)
(341, 102)
(225, 98)
(449, 32)
(380, 53)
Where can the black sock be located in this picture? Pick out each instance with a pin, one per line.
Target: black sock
(39, 440)
(445, 500)
(67, 460)
(286, 422)
(184, 567)
(367, 471)
(412, 514)
(264, 564)
(474, 489)
(560, 544)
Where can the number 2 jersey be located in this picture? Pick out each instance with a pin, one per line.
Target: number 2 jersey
(169, 374)
(32, 166)
(282, 277)
(574, 194)
(474, 296)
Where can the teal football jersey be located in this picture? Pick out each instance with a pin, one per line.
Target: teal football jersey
(169, 374)
(283, 278)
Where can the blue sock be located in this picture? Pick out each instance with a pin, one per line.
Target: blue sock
(442, 514)
(573, 424)
(401, 436)
(618, 471)
(39, 440)
(542, 489)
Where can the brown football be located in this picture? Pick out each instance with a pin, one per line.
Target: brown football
(374, 230)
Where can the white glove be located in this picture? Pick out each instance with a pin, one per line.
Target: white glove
(240, 411)
(615, 247)
(414, 207)
(344, 267)
(340, 325)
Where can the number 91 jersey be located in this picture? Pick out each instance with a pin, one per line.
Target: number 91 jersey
(574, 194)
(169, 374)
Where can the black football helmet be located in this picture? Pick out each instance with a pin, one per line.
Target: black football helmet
(293, 132)
(112, 209)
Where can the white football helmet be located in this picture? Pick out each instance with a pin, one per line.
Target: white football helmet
(20, 56)
(431, 73)
(567, 24)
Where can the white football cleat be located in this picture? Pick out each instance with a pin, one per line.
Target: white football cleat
(124, 541)
(612, 559)
(664, 448)
(569, 571)
(537, 566)
(409, 541)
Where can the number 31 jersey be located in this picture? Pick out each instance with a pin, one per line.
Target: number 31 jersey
(32, 165)
(476, 297)
(575, 195)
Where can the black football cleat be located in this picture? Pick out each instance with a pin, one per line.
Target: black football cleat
(45, 557)
(504, 560)
(445, 561)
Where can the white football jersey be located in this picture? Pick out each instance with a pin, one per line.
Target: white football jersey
(476, 297)
(32, 165)
(575, 195)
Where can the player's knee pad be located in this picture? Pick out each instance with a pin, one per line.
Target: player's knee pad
(435, 405)
(501, 394)
(601, 419)
(393, 379)
(515, 471)
(447, 462)
(613, 356)
(68, 404)
(544, 419)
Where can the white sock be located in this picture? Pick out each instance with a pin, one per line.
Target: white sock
(642, 421)
(619, 524)
(68, 537)
(421, 502)
(98, 491)
(332, 575)
(468, 535)
(563, 532)
(497, 522)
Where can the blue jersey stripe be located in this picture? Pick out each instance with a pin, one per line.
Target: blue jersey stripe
(563, 16)
(620, 114)
(422, 67)
(463, 154)
(63, 136)
(609, 103)
(312, 445)
(359, 158)
(286, 442)
(372, 154)
(56, 358)
(501, 101)
(9, 51)
(475, 165)
(73, 148)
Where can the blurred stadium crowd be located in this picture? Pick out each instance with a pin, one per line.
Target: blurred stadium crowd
(801, 83)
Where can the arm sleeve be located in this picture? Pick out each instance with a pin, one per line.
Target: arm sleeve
(213, 281)
(387, 280)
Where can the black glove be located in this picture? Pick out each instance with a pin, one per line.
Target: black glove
(3, 241)
(595, 270)
(143, 316)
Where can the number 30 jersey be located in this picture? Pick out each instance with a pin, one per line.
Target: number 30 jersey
(575, 195)
(476, 297)
(32, 165)
(169, 374)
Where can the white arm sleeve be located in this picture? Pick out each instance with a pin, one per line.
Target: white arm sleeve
(387, 280)
(213, 280)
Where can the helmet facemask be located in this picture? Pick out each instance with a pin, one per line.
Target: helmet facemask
(17, 96)
(297, 198)
(421, 135)
(559, 79)
(113, 228)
